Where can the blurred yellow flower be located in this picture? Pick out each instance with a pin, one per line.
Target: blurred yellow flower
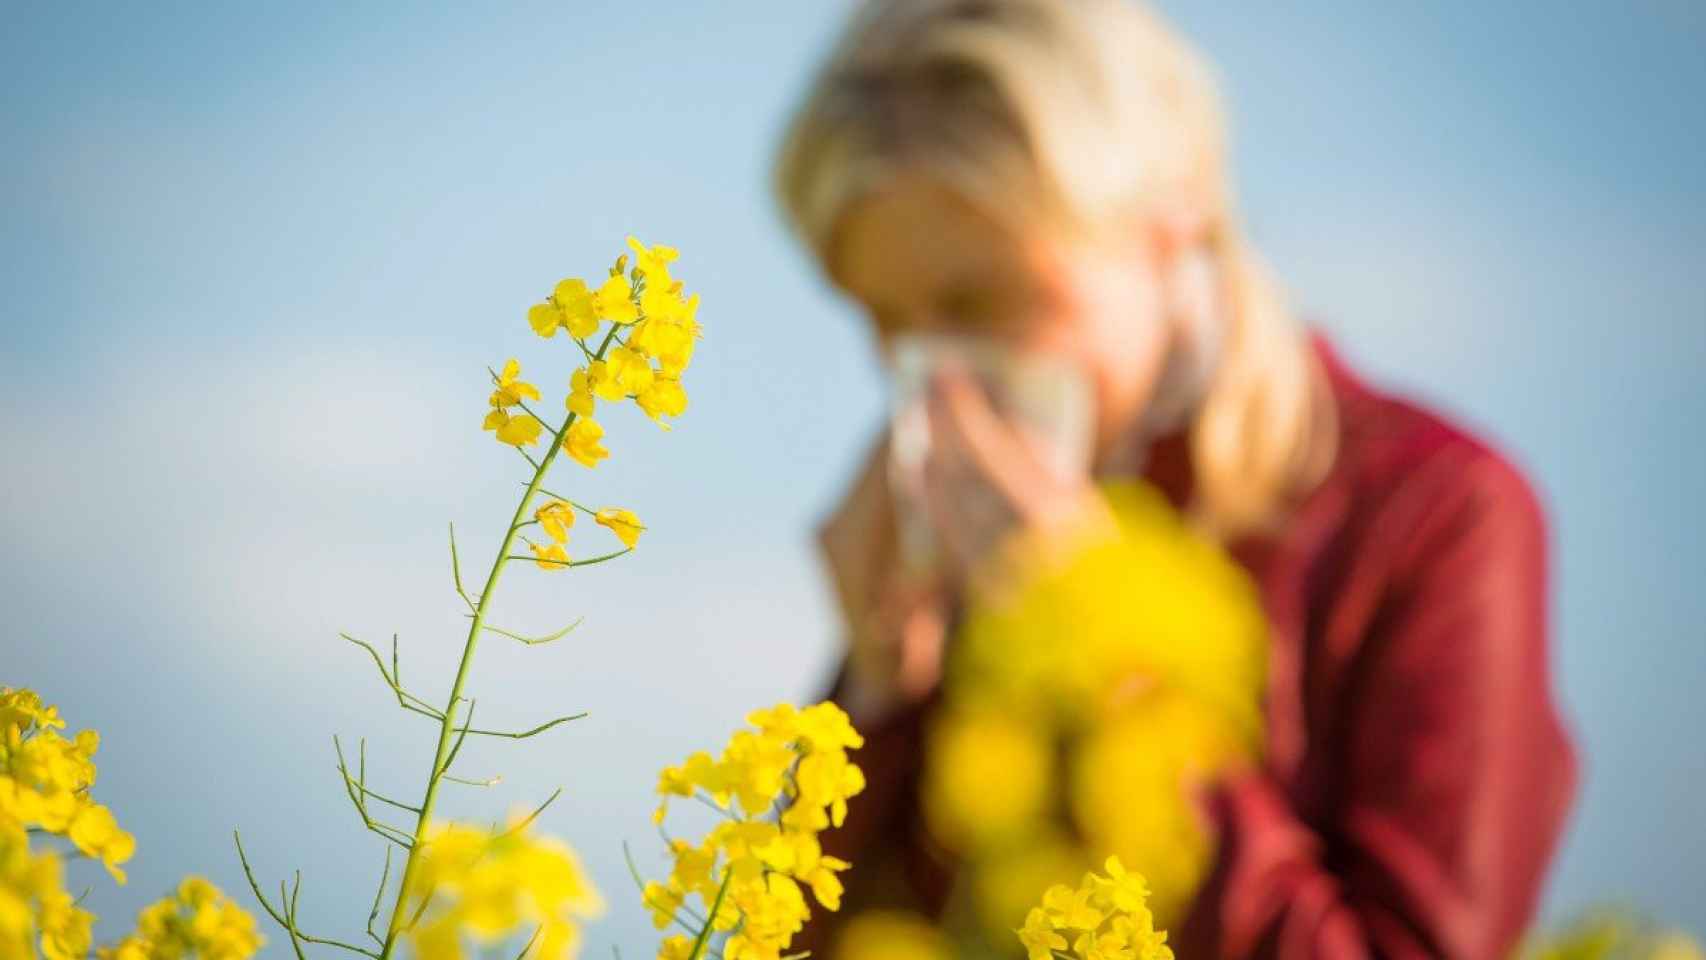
(197, 921)
(1156, 685)
(621, 522)
(892, 935)
(989, 777)
(482, 886)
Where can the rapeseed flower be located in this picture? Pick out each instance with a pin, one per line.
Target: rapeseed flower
(780, 785)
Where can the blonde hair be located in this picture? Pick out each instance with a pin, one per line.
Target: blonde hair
(1085, 114)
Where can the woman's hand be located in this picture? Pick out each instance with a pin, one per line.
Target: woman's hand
(897, 623)
(985, 480)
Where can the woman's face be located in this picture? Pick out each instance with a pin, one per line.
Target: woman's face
(920, 258)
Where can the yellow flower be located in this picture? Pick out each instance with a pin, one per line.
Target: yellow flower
(487, 885)
(1039, 936)
(555, 518)
(518, 431)
(596, 379)
(891, 935)
(580, 400)
(1124, 930)
(545, 319)
(1122, 889)
(583, 442)
(551, 556)
(990, 776)
(780, 784)
(198, 920)
(663, 398)
(1071, 908)
(614, 301)
(653, 262)
(575, 302)
(675, 947)
(511, 390)
(20, 709)
(621, 522)
(97, 834)
(631, 369)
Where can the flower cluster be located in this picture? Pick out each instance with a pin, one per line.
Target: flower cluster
(778, 787)
(653, 328)
(45, 780)
(493, 885)
(1106, 918)
(1044, 751)
(197, 921)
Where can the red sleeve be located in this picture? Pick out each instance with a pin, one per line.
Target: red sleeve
(1453, 774)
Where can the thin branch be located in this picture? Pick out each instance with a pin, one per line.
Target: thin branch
(533, 641)
(571, 563)
(716, 907)
(530, 941)
(571, 502)
(456, 570)
(523, 735)
(405, 699)
(379, 895)
(287, 904)
(295, 893)
(488, 782)
(360, 782)
(640, 882)
(721, 811)
(528, 820)
(357, 793)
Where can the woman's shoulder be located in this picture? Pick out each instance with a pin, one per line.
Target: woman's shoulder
(1414, 479)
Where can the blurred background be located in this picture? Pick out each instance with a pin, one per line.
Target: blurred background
(255, 262)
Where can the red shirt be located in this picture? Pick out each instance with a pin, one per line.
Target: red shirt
(1416, 776)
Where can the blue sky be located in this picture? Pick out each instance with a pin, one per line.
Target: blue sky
(255, 262)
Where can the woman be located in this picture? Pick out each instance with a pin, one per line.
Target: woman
(1053, 175)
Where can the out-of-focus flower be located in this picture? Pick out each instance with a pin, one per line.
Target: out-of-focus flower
(1101, 737)
(482, 887)
(198, 921)
(45, 780)
(891, 935)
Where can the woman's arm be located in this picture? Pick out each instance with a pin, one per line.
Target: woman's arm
(1454, 774)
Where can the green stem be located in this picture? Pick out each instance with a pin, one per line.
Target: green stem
(447, 726)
